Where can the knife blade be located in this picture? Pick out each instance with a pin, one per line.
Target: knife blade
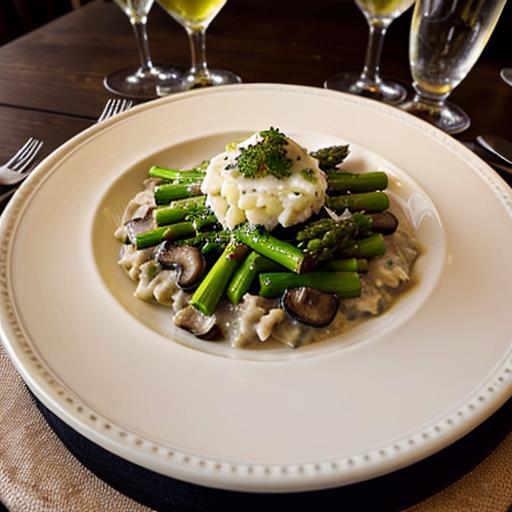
(497, 145)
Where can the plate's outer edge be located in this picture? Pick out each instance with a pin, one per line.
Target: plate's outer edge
(311, 475)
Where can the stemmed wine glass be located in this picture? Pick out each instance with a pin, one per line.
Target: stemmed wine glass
(195, 16)
(506, 74)
(447, 37)
(379, 15)
(141, 82)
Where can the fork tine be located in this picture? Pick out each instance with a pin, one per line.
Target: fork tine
(106, 110)
(29, 157)
(117, 107)
(19, 152)
(127, 104)
(22, 156)
(123, 105)
(113, 107)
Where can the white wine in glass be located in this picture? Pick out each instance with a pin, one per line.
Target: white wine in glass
(379, 15)
(195, 16)
(447, 37)
(140, 82)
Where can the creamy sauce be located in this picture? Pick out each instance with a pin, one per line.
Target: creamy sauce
(255, 323)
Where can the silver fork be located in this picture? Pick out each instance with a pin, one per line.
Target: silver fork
(114, 107)
(18, 167)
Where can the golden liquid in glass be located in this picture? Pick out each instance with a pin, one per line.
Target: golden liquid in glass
(193, 13)
(384, 8)
(447, 37)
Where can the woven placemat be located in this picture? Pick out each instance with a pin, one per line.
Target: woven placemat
(37, 472)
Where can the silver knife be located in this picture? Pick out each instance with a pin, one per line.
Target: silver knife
(497, 145)
(484, 155)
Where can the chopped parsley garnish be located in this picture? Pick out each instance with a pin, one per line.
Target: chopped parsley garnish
(308, 174)
(267, 157)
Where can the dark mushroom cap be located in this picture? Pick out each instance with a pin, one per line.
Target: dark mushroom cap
(384, 222)
(186, 259)
(194, 321)
(310, 306)
(140, 225)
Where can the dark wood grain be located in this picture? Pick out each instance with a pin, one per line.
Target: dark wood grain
(60, 67)
(17, 125)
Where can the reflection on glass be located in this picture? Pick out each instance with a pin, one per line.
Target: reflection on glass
(379, 14)
(142, 82)
(195, 16)
(447, 37)
(506, 74)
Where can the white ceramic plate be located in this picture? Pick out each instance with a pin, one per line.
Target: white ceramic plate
(392, 391)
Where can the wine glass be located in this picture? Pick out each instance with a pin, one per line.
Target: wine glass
(140, 82)
(379, 15)
(506, 74)
(447, 37)
(195, 16)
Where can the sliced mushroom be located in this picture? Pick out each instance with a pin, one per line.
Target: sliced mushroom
(139, 225)
(310, 306)
(194, 321)
(186, 259)
(384, 222)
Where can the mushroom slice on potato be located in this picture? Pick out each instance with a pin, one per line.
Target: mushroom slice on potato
(310, 306)
(194, 321)
(187, 260)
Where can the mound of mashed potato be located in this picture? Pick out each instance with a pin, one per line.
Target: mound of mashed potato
(270, 199)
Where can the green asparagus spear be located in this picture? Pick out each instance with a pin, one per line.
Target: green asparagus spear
(345, 284)
(343, 182)
(370, 247)
(284, 253)
(209, 241)
(183, 229)
(321, 239)
(369, 202)
(166, 193)
(189, 202)
(347, 265)
(169, 215)
(246, 273)
(210, 291)
(175, 174)
(328, 158)
(155, 236)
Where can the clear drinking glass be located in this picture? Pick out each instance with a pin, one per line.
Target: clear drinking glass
(195, 16)
(140, 82)
(506, 74)
(379, 14)
(447, 37)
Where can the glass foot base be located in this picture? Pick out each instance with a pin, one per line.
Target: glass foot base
(448, 117)
(189, 81)
(385, 90)
(506, 74)
(141, 84)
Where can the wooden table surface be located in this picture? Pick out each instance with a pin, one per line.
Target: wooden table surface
(51, 79)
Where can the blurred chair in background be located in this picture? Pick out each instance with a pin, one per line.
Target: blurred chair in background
(20, 16)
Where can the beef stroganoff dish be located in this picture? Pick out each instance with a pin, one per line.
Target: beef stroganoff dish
(267, 241)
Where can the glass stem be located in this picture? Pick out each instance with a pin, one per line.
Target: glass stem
(141, 35)
(198, 68)
(378, 29)
(432, 102)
